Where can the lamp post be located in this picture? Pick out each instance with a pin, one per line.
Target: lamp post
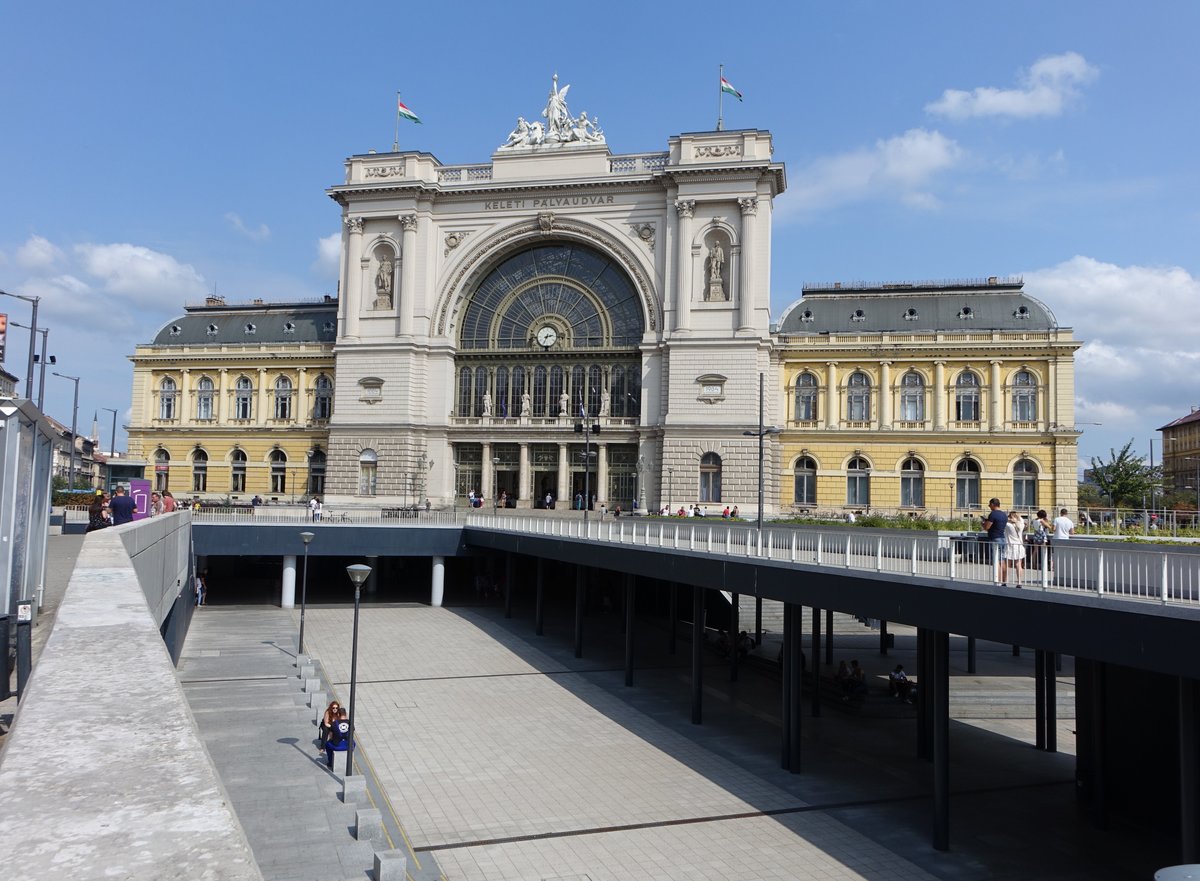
(32, 339)
(45, 332)
(761, 434)
(74, 417)
(670, 491)
(305, 537)
(588, 429)
(495, 485)
(358, 574)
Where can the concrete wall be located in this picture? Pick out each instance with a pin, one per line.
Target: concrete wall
(104, 774)
(160, 551)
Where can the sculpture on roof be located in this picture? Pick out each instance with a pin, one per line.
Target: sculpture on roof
(560, 127)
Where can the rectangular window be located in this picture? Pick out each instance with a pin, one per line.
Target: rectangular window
(858, 490)
(242, 406)
(806, 488)
(237, 483)
(912, 491)
(283, 405)
(204, 407)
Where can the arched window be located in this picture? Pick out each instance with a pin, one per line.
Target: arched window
(500, 405)
(518, 389)
(806, 398)
(316, 473)
(710, 478)
(858, 397)
(912, 483)
(558, 380)
(966, 485)
(278, 460)
(633, 392)
(858, 482)
(966, 397)
(1024, 397)
(322, 398)
(481, 389)
(199, 471)
(539, 391)
(578, 390)
(162, 470)
(237, 471)
(912, 397)
(283, 398)
(368, 472)
(594, 387)
(204, 399)
(618, 403)
(243, 399)
(1025, 477)
(806, 481)
(167, 390)
(464, 392)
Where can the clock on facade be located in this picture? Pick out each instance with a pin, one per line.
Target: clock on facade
(547, 336)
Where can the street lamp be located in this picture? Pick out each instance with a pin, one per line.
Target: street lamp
(45, 332)
(358, 574)
(495, 485)
(587, 428)
(32, 339)
(670, 491)
(305, 537)
(761, 434)
(74, 417)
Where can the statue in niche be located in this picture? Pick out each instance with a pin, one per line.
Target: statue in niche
(525, 403)
(605, 401)
(383, 283)
(716, 265)
(564, 404)
(487, 404)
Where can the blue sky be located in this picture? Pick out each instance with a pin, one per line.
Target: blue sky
(154, 152)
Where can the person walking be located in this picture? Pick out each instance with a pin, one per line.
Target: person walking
(994, 522)
(1014, 545)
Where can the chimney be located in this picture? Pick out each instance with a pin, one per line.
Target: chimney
(992, 279)
(214, 300)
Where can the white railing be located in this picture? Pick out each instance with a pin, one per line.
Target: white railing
(270, 515)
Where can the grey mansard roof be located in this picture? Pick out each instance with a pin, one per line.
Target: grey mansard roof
(987, 304)
(256, 324)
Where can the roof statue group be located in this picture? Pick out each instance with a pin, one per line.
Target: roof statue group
(560, 127)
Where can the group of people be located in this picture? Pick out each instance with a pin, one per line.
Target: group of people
(697, 511)
(1012, 538)
(334, 732)
(106, 510)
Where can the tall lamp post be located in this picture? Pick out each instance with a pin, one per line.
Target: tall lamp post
(495, 485)
(670, 492)
(74, 418)
(358, 574)
(305, 537)
(32, 339)
(761, 434)
(587, 428)
(45, 332)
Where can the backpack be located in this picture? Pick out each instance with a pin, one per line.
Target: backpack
(339, 732)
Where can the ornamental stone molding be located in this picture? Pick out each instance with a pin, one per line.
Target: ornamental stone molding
(717, 151)
(453, 240)
(545, 222)
(749, 205)
(354, 224)
(384, 171)
(685, 207)
(408, 222)
(645, 232)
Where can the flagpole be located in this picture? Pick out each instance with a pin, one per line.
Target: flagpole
(720, 100)
(396, 139)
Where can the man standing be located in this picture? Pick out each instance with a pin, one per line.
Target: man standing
(121, 506)
(994, 522)
(314, 505)
(1064, 528)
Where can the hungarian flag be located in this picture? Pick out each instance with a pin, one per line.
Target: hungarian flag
(408, 114)
(727, 86)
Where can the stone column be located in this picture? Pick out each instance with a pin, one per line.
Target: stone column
(486, 473)
(601, 488)
(300, 405)
(939, 395)
(683, 267)
(288, 594)
(408, 274)
(354, 277)
(260, 417)
(564, 485)
(832, 402)
(185, 414)
(1050, 408)
(995, 398)
(885, 395)
(523, 491)
(221, 409)
(437, 583)
(747, 292)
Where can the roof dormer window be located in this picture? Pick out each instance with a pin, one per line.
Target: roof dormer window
(212, 330)
(289, 327)
(176, 330)
(250, 329)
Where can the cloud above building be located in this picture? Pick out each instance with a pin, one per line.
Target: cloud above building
(259, 233)
(1045, 90)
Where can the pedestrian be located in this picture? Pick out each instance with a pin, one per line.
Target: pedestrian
(733, 515)
(1014, 545)
(168, 501)
(201, 588)
(1064, 528)
(156, 504)
(122, 507)
(995, 522)
(338, 740)
(314, 505)
(327, 720)
(96, 515)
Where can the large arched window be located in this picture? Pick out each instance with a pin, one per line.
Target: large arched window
(162, 470)
(1024, 397)
(805, 481)
(278, 459)
(237, 471)
(858, 397)
(912, 483)
(481, 389)
(858, 482)
(518, 389)
(1025, 478)
(368, 472)
(558, 387)
(540, 391)
(322, 398)
(243, 399)
(503, 392)
(283, 398)
(966, 485)
(464, 391)
(167, 392)
(966, 397)
(204, 400)
(199, 471)
(806, 398)
(710, 478)
(316, 472)
(912, 397)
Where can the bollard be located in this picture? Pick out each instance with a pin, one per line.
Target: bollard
(302, 660)
(317, 702)
(311, 685)
(308, 671)
(390, 865)
(354, 791)
(368, 824)
(339, 763)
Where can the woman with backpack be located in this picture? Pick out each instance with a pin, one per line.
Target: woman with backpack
(338, 740)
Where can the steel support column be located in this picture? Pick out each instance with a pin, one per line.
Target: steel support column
(790, 715)
(940, 662)
(1189, 771)
(580, 591)
(734, 631)
(510, 569)
(883, 637)
(539, 612)
(1051, 703)
(1039, 699)
(674, 615)
(816, 667)
(924, 694)
(828, 637)
(629, 607)
(697, 654)
(971, 655)
(758, 621)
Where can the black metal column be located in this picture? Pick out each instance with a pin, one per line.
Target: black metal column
(940, 650)
(510, 569)
(1051, 703)
(785, 692)
(629, 606)
(539, 612)
(816, 667)
(793, 672)
(758, 620)
(580, 589)
(1039, 699)
(734, 632)
(674, 615)
(828, 637)
(1189, 771)
(697, 654)
(970, 656)
(924, 694)
(883, 638)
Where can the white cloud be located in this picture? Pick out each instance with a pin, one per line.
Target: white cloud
(1045, 90)
(144, 276)
(328, 251)
(38, 253)
(260, 234)
(898, 167)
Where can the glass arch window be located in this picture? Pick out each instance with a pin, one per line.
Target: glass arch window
(805, 481)
(858, 482)
(368, 472)
(237, 471)
(966, 485)
(316, 473)
(912, 397)
(1025, 477)
(278, 461)
(199, 471)
(966, 397)
(806, 398)
(571, 286)
(710, 478)
(540, 392)
(204, 399)
(912, 483)
(500, 405)
(322, 397)
(162, 470)
(243, 398)
(167, 391)
(858, 397)
(464, 391)
(1024, 397)
(283, 398)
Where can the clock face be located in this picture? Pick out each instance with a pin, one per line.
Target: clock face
(547, 336)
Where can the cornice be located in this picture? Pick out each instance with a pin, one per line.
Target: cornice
(437, 192)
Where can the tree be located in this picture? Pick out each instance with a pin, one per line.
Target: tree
(1125, 480)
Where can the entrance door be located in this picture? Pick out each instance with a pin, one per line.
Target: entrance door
(545, 483)
(577, 490)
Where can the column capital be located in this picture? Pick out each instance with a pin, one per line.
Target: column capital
(354, 224)
(685, 207)
(749, 205)
(408, 222)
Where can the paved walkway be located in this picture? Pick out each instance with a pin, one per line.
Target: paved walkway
(503, 757)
